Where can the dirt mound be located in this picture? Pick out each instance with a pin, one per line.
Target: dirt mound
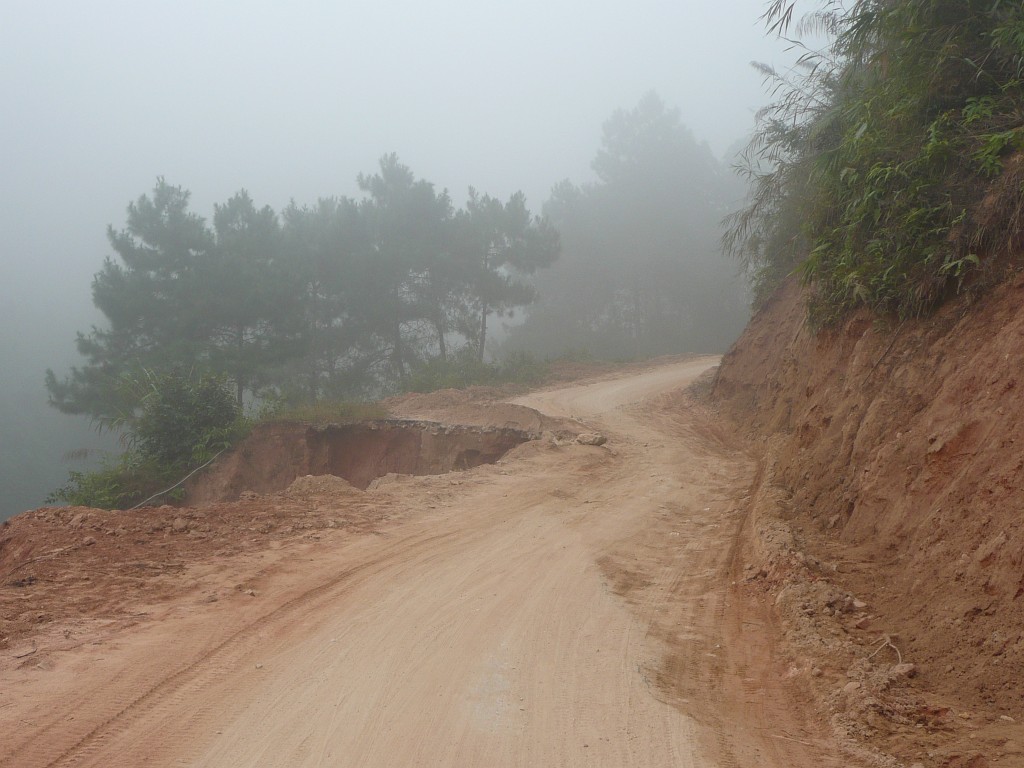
(275, 455)
(62, 565)
(320, 485)
(898, 467)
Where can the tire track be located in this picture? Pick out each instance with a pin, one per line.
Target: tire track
(210, 666)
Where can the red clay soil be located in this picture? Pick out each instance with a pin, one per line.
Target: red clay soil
(59, 565)
(64, 564)
(898, 481)
(274, 455)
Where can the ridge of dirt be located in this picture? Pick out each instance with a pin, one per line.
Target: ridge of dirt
(890, 533)
(476, 409)
(69, 567)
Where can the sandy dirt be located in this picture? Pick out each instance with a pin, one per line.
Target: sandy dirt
(571, 605)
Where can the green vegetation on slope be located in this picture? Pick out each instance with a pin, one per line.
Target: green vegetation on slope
(869, 170)
(343, 299)
(180, 421)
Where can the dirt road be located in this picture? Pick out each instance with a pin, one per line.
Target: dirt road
(570, 606)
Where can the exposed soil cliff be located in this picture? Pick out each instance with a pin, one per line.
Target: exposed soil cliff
(276, 454)
(898, 453)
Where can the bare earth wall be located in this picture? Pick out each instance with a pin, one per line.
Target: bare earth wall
(276, 454)
(901, 453)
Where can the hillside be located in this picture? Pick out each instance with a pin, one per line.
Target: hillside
(893, 459)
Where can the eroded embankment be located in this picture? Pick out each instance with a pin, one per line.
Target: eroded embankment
(897, 457)
(276, 454)
(297, 481)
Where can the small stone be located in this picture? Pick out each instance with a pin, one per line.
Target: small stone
(88, 541)
(815, 672)
(851, 686)
(906, 669)
(859, 605)
(1007, 719)
(846, 605)
(591, 438)
(863, 622)
(179, 525)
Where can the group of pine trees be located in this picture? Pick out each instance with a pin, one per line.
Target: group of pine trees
(343, 298)
(641, 272)
(353, 298)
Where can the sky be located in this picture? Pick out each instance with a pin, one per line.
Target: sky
(293, 100)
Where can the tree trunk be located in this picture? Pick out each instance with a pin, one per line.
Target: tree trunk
(483, 331)
(240, 347)
(483, 305)
(314, 343)
(396, 356)
(442, 346)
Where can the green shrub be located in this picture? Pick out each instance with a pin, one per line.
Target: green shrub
(465, 369)
(520, 367)
(185, 420)
(462, 369)
(323, 412)
(103, 488)
(869, 170)
(118, 484)
(181, 422)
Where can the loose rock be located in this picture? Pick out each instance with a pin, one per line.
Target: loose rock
(905, 669)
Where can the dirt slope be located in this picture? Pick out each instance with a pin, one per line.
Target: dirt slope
(898, 457)
(571, 605)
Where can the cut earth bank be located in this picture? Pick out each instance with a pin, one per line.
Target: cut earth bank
(891, 534)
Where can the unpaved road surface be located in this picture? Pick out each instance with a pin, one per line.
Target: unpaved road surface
(570, 606)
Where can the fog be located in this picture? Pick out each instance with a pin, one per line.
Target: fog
(291, 102)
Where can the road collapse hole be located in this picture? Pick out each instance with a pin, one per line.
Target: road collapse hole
(274, 455)
(360, 453)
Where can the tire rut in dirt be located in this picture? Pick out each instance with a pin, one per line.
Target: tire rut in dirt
(213, 665)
